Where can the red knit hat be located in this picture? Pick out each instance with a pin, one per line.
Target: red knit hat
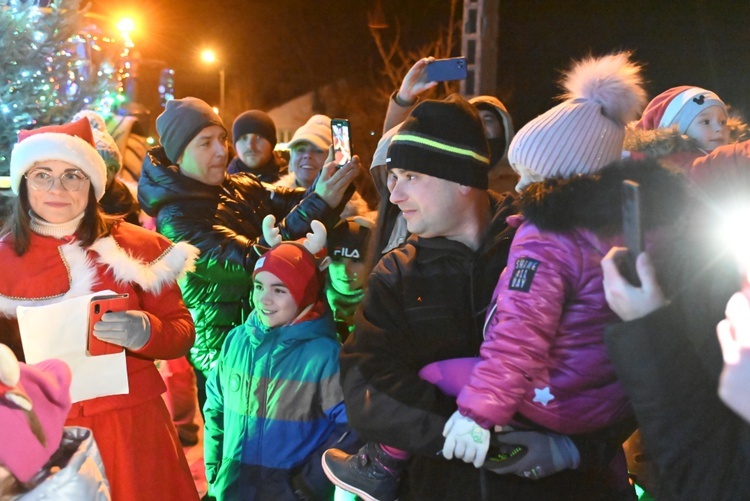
(678, 105)
(296, 267)
(72, 143)
(29, 394)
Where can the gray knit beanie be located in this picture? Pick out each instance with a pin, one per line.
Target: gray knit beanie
(181, 121)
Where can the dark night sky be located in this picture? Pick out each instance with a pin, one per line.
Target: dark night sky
(275, 50)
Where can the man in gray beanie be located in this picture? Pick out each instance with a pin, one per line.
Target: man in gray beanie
(425, 303)
(185, 186)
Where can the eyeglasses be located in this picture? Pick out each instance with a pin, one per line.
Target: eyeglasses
(42, 180)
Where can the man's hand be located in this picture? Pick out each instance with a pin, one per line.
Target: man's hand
(415, 82)
(628, 301)
(734, 336)
(545, 454)
(131, 329)
(465, 439)
(333, 181)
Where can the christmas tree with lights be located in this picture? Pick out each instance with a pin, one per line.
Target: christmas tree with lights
(56, 61)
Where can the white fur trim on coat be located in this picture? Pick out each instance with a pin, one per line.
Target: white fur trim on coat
(58, 146)
(169, 267)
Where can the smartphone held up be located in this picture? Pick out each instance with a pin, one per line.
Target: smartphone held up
(444, 70)
(342, 142)
(632, 230)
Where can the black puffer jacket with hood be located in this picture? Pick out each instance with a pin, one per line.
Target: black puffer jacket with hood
(224, 222)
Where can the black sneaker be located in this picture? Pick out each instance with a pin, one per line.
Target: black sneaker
(371, 474)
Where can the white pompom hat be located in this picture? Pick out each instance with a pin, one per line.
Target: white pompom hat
(586, 131)
(72, 143)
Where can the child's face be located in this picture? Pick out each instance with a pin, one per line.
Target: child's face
(347, 275)
(709, 128)
(272, 300)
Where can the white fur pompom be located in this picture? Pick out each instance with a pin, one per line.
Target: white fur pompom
(613, 81)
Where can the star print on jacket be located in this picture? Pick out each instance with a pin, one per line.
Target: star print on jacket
(543, 396)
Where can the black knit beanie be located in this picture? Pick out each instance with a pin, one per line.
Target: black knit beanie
(443, 139)
(349, 239)
(254, 122)
(181, 121)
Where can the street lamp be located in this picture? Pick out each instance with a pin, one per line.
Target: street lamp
(208, 56)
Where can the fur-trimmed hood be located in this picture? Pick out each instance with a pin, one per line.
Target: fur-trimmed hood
(660, 143)
(594, 201)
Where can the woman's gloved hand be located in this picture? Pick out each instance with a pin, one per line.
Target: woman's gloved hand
(131, 329)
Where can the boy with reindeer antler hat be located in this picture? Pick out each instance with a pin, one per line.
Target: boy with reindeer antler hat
(274, 403)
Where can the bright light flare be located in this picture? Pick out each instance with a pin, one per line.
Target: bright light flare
(208, 56)
(126, 25)
(735, 233)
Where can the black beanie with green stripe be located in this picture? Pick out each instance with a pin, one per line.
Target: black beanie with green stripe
(444, 139)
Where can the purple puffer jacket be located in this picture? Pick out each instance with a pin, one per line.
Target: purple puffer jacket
(544, 355)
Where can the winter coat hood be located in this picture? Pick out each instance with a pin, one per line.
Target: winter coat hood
(594, 202)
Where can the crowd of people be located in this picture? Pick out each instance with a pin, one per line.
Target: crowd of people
(457, 324)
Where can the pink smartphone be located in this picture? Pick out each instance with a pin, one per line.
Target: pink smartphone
(98, 306)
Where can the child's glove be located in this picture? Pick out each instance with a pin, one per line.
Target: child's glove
(465, 439)
(131, 329)
(546, 454)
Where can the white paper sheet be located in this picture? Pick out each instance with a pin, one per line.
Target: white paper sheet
(59, 331)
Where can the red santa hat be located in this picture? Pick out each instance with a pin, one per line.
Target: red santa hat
(72, 143)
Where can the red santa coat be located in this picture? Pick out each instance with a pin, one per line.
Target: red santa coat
(142, 455)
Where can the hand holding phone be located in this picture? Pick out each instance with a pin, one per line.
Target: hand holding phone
(443, 70)
(632, 231)
(342, 142)
(98, 306)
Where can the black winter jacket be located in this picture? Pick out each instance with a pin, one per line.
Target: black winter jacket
(425, 302)
(224, 222)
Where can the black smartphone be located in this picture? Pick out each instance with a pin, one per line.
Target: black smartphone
(442, 70)
(632, 231)
(342, 141)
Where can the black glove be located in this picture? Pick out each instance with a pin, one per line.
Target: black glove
(531, 454)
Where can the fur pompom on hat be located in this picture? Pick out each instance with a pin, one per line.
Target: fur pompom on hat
(181, 121)
(317, 131)
(34, 403)
(443, 139)
(678, 106)
(103, 142)
(586, 131)
(72, 143)
(254, 122)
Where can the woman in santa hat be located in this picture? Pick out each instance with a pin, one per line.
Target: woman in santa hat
(59, 245)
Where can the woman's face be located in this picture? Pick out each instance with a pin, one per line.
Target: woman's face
(57, 204)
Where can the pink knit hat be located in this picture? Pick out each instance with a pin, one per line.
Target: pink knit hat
(678, 105)
(31, 393)
(586, 131)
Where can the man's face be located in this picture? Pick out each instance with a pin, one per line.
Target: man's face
(205, 157)
(254, 150)
(709, 128)
(430, 205)
(492, 126)
(306, 160)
